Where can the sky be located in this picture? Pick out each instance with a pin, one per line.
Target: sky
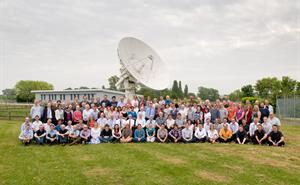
(212, 43)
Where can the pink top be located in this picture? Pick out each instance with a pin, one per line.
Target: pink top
(77, 116)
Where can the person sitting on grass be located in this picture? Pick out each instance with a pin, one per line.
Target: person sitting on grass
(245, 125)
(85, 134)
(74, 134)
(51, 135)
(26, 123)
(260, 136)
(175, 134)
(200, 134)
(253, 128)
(266, 125)
(39, 135)
(150, 132)
(63, 135)
(116, 133)
(187, 134)
(69, 126)
(225, 134)
(80, 125)
(106, 134)
(139, 134)
(212, 134)
(126, 134)
(58, 126)
(95, 134)
(233, 126)
(276, 137)
(241, 136)
(26, 135)
(162, 134)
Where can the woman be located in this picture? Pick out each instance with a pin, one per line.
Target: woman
(77, 115)
(240, 113)
(124, 112)
(59, 113)
(248, 114)
(198, 115)
(91, 122)
(95, 134)
(116, 133)
(150, 131)
(170, 122)
(162, 134)
(256, 113)
(212, 134)
(126, 134)
(68, 115)
(200, 133)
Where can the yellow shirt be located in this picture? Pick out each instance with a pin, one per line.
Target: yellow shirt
(225, 134)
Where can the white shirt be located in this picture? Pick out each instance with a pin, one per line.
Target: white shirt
(206, 127)
(212, 134)
(36, 110)
(36, 125)
(141, 121)
(207, 115)
(121, 122)
(102, 122)
(130, 122)
(170, 123)
(95, 132)
(200, 133)
(59, 114)
(46, 127)
(274, 121)
(95, 113)
(143, 113)
(267, 127)
(86, 114)
(252, 128)
(234, 127)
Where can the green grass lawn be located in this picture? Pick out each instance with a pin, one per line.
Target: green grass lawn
(148, 163)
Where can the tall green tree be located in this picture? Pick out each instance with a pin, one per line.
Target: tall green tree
(288, 86)
(180, 92)
(208, 93)
(112, 81)
(186, 90)
(247, 91)
(236, 95)
(9, 94)
(24, 88)
(268, 88)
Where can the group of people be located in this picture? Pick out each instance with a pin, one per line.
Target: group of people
(161, 120)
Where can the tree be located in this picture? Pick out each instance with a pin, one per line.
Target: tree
(288, 86)
(186, 90)
(103, 86)
(112, 81)
(9, 94)
(298, 88)
(69, 88)
(180, 92)
(247, 91)
(268, 88)
(24, 88)
(83, 87)
(236, 95)
(208, 93)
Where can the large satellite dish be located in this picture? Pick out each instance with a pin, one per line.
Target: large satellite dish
(140, 64)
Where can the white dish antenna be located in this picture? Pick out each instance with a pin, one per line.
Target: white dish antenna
(140, 64)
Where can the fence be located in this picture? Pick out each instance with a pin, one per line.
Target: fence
(288, 107)
(14, 111)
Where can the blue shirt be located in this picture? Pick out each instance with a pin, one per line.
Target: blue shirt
(139, 133)
(150, 111)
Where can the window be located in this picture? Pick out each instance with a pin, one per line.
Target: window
(64, 96)
(71, 96)
(60, 97)
(92, 95)
(51, 96)
(89, 96)
(55, 96)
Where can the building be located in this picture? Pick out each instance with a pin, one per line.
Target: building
(64, 95)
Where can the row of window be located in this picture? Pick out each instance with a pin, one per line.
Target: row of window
(63, 96)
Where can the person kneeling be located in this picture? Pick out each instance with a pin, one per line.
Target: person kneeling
(225, 134)
(85, 135)
(175, 134)
(187, 134)
(106, 134)
(276, 137)
(162, 134)
(139, 134)
(26, 135)
(241, 136)
(260, 137)
(51, 135)
(126, 134)
(150, 131)
(39, 135)
(200, 134)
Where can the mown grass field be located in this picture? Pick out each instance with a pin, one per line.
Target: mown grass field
(148, 163)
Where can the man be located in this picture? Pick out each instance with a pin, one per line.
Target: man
(266, 125)
(47, 125)
(260, 137)
(175, 134)
(274, 120)
(162, 134)
(187, 134)
(121, 103)
(160, 120)
(74, 134)
(63, 135)
(121, 121)
(214, 112)
(207, 124)
(85, 134)
(241, 136)
(225, 134)
(94, 112)
(106, 134)
(26, 135)
(139, 134)
(114, 102)
(168, 101)
(223, 112)
(264, 110)
(150, 111)
(253, 128)
(200, 134)
(51, 135)
(130, 121)
(105, 102)
(36, 110)
(233, 126)
(102, 121)
(48, 113)
(179, 121)
(111, 121)
(39, 135)
(231, 111)
(36, 124)
(270, 107)
(276, 137)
